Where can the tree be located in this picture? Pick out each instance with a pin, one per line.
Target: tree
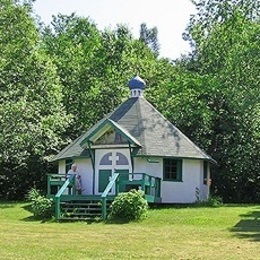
(224, 38)
(94, 66)
(31, 113)
(150, 37)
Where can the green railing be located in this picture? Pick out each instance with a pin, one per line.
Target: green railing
(126, 181)
(66, 184)
(55, 180)
(150, 185)
(113, 181)
(123, 182)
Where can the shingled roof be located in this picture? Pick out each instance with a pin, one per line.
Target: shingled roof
(156, 135)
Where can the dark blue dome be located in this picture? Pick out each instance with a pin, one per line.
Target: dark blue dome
(136, 82)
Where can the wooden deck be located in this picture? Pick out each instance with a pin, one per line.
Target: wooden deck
(69, 203)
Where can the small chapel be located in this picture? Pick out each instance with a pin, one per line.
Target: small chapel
(135, 147)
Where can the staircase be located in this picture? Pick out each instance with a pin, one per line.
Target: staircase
(83, 209)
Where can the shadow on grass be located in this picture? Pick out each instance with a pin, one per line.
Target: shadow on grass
(33, 219)
(249, 226)
(118, 221)
(7, 204)
(181, 206)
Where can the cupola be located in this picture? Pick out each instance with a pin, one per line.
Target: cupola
(136, 85)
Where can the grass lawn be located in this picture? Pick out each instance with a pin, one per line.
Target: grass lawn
(228, 232)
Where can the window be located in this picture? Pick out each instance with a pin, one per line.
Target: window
(68, 163)
(205, 172)
(172, 170)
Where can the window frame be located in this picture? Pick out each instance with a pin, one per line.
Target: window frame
(68, 163)
(178, 166)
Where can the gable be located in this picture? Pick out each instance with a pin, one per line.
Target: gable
(109, 133)
(111, 137)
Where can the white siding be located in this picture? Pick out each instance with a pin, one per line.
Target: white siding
(84, 168)
(171, 192)
(176, 192)
(154, 167)
(185, 191)
(62, 167)
(204, 189)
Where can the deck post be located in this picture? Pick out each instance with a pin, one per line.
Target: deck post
(143, 182)
(117, 186)
(57, 207)
(104, 208)
(48, 185)
(158, 187)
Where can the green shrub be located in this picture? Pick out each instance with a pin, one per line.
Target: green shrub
(212, 201)
(129, 206)
(41, 207)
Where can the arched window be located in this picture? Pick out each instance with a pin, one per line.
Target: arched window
(121, 159)
(106, 159)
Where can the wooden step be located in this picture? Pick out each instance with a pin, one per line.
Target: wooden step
(82, 214)
(80, 219)
(82, 210)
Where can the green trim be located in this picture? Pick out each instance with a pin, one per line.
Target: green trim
(115, 127)
(205, 172)
(69, 157)
(103, 179)
(104, 195)
(57, 198)
(131, 156)
(178, 170)
(92, 158)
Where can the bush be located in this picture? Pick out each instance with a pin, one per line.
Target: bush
(41, 207)
(212, 201)
(129, 206)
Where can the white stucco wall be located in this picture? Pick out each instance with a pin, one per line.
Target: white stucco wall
(84, 168)
(171, 192)
(141, 165)
(62, 167)
(184, 191)
(176, 192)
(204, 189)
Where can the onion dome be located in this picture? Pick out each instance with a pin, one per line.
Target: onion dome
(136, 85)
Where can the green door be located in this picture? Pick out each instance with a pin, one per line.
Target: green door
(124, 176)
(103, 179)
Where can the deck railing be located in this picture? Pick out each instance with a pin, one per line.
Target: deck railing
(150, 185)
(113, 181)
(66, 184)
(123, 182)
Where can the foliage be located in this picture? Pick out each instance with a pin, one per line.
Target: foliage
(32, 117)
(129, 206)
(223, 69)
(41, 207)
(93, 66)
(149, 37)
(212, 201)
(70, 69)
